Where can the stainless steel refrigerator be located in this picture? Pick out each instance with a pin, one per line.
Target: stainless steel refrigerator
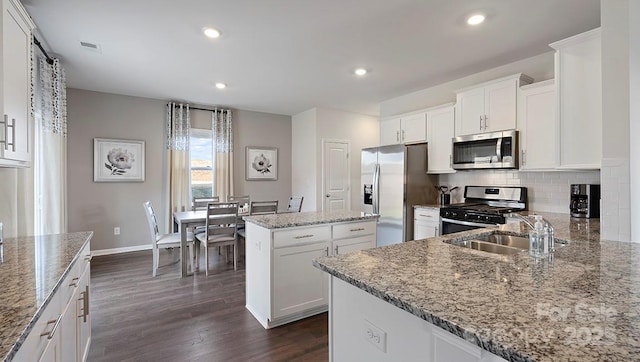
(394, 179)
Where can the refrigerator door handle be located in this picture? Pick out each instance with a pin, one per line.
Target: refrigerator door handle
(376, 189)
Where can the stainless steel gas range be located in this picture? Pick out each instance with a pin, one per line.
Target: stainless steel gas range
(484, 206)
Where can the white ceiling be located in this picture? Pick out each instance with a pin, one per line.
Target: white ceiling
(287, 56)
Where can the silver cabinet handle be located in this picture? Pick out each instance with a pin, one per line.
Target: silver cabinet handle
(451, 161)
(6, 126)
(437, 231)
(304, 236)
(402, 135)
(336, 249)
(326, 251)
(397, 136)
(485, 122)
(53, 330)
(524, 157)
(358, 229)
(481, 123)
(74, 282)
(13, 135)
(85, 304)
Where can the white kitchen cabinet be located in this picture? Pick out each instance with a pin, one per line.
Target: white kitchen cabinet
(63, 330)
(578, 78)
(538, 126)
(409, 128)
(16, 139)
(488, 107)
(282, 284)
(366, 328)
(426, 222)
(440, 132)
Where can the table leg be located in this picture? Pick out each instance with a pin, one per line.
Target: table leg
(184, 256)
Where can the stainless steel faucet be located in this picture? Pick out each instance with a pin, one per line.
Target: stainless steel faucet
(547, 226)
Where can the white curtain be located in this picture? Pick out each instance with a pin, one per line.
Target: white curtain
(50, 148)
(222, 133)
(179, 175)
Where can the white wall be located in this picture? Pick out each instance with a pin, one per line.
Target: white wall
(303, 158)
(540, 67)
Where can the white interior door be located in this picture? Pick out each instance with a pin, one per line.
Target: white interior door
(336, 190)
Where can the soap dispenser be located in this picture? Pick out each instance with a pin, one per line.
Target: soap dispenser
(538, 239)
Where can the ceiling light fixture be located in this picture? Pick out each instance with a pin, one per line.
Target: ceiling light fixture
(221, 85)
(211, 32)
(360, 72)
(475, 19)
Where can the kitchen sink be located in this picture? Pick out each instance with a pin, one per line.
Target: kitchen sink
(513, 241)
(487, 246)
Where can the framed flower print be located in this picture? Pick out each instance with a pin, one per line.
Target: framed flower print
(118, 160)
(262, 163)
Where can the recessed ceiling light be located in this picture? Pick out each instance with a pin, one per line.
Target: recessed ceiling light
(211, 32)
(475, 19)
(221, 85)
(360, 72)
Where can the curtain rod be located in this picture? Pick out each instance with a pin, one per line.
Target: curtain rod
(37, 43)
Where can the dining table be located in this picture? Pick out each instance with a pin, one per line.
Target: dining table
(186, 220)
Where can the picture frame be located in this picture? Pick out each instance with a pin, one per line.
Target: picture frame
(261, 163)
(116, 160)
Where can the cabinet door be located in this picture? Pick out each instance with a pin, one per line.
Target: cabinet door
(297, 284)
(83, 319)
(447, 347)
(538, 127)
(390, 132)
(423, 230)
(440, 133)
(16, 127)
(354, 244)
(67, 330)
(500, 106)
(470, 112)
(414, 128)
(51, 352)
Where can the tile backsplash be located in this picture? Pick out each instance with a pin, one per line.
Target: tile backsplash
(547, 191)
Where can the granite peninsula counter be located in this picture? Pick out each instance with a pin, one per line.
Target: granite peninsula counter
(282, 284)
(32, 271)
(584, 305)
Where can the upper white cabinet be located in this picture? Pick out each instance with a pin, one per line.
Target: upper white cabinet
(15, 124)
(579, 86)
(411, 128)
(440, 132)
(538, 126)
(489, 106)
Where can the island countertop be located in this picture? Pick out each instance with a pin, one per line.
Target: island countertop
(295, 219)
(583, 305)
(31, 271)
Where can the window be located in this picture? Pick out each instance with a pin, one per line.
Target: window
(201, 155)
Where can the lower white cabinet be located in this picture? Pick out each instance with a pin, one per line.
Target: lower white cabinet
(365, 328)
(63, 330)
(426, 222)
(282, 285)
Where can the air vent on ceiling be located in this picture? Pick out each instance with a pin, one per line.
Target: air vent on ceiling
(90, 46)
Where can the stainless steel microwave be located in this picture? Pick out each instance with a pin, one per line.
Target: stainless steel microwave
(486, 150)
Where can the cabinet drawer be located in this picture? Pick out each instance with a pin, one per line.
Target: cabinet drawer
(289, 237)
(354, 229)
(70, 282)
(35, 344)
(424, 214)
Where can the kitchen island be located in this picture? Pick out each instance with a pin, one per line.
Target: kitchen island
(436, 300)
(282, 284)
(42, 278)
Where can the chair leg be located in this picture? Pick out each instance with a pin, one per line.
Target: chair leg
(155, 252)
(197, 246)
(235, 255)
(191, 246)
(206, 259)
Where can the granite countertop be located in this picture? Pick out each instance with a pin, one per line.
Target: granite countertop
(32, 269)
(293, 219)
(581, 305)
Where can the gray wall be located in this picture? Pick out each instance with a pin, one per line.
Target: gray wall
(102, 206)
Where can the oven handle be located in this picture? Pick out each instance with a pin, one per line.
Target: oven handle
(469, 223)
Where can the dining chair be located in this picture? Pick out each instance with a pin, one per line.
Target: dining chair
(164, 240)
(295, 203)
(221, 230)
(200, 203)
(263, 207)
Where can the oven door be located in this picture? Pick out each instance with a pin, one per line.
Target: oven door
(450, 226)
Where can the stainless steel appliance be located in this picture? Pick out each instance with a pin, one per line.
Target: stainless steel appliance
(394, 178)
(585, 201)
(486, 150)
(483, 206)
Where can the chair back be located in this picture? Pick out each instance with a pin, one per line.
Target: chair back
(243, 201)
(200, 203)
(263, 207)
(222, 219)
(295, 203)
(152, 222)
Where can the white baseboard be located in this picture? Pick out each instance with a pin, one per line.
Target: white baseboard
(126, 249)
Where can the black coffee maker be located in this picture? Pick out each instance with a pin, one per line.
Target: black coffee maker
(585, 201)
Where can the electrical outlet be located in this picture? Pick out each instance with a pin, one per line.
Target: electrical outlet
(116, 230)
(375, 336)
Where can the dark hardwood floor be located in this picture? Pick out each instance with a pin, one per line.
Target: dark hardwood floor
(136, 317)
